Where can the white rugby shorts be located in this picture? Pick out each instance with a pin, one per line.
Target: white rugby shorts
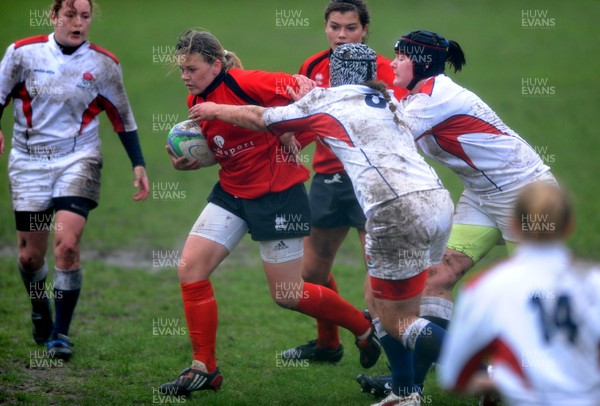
(408, 234)
(35, 179)
(223, 227)
(492, 210)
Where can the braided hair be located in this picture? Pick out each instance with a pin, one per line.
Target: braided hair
(382, 88)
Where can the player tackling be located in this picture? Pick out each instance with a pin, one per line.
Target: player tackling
(454, 127)
(409, 213)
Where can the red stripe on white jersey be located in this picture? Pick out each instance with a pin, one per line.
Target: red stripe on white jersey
(22, 93)
(320, 123)
(31, 40)
(447, 132)
(497, 352)
(96, 106)
(103, 51)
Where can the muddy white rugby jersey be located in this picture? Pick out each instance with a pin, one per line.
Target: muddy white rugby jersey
(536, 317)
(58, 97)
(316, 68)
(456, 128)
(354, 121)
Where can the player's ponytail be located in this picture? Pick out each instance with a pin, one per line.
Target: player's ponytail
(207, 46)
(543, 212)
(232, 61)
(456, 56)
(429, 53)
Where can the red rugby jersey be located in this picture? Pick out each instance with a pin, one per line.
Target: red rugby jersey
(252, 163)
(317, 68)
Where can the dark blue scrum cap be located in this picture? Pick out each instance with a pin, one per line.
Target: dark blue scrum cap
(352, 64)
(428, 52)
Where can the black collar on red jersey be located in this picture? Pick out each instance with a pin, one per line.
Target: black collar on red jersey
(214, 84)
(231, 83)
(311, 66)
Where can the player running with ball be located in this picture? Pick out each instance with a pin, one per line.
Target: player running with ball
(409, 213)
(259, 192)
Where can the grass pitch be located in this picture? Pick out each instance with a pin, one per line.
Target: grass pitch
(532, 62)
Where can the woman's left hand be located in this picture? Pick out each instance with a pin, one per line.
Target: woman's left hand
(141, 183)
(204, 111)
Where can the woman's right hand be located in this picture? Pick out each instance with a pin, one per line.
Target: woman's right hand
(180, 163)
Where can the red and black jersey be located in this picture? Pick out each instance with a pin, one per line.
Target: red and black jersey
(317, 68)
(252, 163)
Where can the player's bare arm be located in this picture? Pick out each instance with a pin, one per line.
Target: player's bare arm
(244, 116)
(250, 117)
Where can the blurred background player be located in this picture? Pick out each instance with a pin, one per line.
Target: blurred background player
(60, 83)
(409, 213)
(259, 192)
(535, 317)
(333, 203)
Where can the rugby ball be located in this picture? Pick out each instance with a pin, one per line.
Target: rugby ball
(186, 140)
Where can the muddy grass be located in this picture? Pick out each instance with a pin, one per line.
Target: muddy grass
(46, 380)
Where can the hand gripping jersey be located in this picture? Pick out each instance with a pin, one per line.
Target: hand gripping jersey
(317, 68)
(456, 128)
(58, 97)
(354, 121)
(252, 163)
(536, 318)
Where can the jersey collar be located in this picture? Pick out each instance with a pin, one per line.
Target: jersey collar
(214, 84)
(64, 49)
(427, 87)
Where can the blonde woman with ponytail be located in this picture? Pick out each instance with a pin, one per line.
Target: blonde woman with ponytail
(260, 191)
(535, 316)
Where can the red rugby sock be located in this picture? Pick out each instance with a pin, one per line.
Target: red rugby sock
(328, 335)
(200, 309)
(324, 304)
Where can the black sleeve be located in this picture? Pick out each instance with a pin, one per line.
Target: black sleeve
(1, 112)
(130, 141)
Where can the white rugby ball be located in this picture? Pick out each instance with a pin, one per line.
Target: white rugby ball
(186, 140)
